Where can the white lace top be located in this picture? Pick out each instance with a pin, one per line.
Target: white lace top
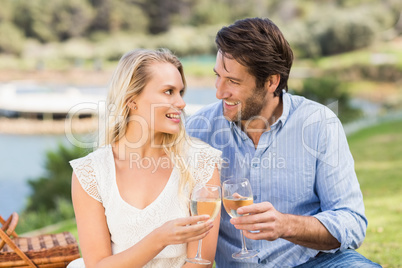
(127, 224)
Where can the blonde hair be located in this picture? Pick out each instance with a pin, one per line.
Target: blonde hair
(128, 81)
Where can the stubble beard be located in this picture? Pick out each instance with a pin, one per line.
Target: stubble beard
(252, 106)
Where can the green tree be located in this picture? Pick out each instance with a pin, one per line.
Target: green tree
(101, 19)
(11, 39)
(329, 90)
(50, 201)
(203, 14)
(71, 18)
(55, 184)
(6, 10)
(333, 32)
(346, 33)
(159, 13)
(24, 17)
(55, 20)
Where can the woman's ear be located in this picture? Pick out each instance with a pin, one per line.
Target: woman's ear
(132, 105)
(272, 82)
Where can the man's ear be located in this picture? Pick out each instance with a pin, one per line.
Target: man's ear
(272, 82)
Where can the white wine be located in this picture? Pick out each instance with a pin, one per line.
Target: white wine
(231, 205)
(205, 206)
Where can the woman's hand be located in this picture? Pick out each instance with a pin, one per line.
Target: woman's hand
(184, 230)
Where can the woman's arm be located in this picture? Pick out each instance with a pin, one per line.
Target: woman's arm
(95, 242)
(209, 242)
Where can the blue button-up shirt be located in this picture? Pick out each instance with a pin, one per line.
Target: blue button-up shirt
(302, 165)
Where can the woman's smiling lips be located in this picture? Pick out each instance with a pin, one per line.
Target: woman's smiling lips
(175, 117)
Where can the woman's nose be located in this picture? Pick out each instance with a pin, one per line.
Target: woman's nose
(180, 103)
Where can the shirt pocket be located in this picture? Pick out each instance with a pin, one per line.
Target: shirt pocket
(293, 181)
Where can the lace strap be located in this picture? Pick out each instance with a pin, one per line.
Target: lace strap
(85, 172)
(206, 161)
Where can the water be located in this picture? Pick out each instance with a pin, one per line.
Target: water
(23, 157)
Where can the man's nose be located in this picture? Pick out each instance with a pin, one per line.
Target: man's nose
(221, 91)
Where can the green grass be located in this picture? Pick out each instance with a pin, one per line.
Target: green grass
(201, 66)
(194, 67)
(378, 160)
(361, 56)
(63, 226)
(67, 226)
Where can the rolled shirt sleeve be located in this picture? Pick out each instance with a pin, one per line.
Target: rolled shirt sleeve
(342, 208)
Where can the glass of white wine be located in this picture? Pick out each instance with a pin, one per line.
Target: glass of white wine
(205, 200)
(237, 193)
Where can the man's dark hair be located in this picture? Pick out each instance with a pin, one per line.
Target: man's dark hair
(260, 46)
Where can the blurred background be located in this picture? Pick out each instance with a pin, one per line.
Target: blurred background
(60, 54)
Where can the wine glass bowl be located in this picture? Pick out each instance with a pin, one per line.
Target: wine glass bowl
(205, 199)
(237, 193)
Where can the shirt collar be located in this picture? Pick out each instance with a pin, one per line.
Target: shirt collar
(285, 108)
(238, 130)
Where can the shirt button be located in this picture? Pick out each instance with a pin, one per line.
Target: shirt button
(255, 165)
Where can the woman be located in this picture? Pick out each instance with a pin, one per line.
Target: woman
(131, 196)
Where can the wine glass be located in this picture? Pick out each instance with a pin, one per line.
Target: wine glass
(237, 193)
(205, 199)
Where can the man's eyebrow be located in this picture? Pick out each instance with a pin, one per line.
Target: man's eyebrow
(229, 77)
(234, 78)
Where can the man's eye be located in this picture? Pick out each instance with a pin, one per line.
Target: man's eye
(169, 92)
(233, 82)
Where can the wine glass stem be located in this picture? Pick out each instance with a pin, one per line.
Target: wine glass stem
(243, 243)
(198, 256)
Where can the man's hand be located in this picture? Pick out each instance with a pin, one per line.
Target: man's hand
(263, 220)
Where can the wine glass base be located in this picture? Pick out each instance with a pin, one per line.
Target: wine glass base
(198, 261)
(245, 254)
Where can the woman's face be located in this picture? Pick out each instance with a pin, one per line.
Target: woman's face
(160, 104)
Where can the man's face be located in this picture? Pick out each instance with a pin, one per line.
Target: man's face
(242, 100)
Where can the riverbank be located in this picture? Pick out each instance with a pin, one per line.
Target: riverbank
(23, 126)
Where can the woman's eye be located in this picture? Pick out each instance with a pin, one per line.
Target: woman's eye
(181, 93)
(169, 92)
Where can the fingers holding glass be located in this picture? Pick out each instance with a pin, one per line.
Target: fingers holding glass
(238, 193)
(204, 200)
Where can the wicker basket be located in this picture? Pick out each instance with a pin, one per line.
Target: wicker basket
(49, 250)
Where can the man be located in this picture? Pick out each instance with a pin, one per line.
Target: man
(308, 208)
